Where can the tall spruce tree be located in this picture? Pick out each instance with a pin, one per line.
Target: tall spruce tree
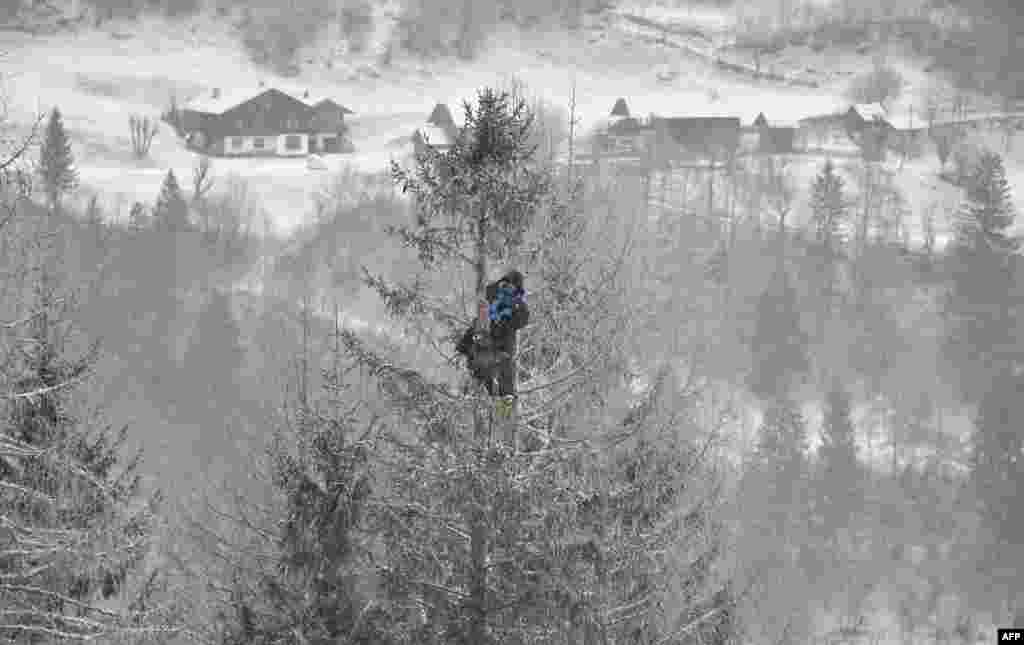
(314, 581)
(487, 543)
(170, 213)
(829, 218)
(782, 442)
(987, 213)
(779, 345)
(840, 480)
(828, 207)
(56, 166)
(773, 541)
(981, 335)
(75, 526)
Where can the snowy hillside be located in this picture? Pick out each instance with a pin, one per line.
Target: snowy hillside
(99, 80)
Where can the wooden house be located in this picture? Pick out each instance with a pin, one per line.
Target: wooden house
(329, 132)
(826, 131)
(263, 122)
(762, 137)
(869, 127)
(697, 140)
(623, 135)
(776, 140)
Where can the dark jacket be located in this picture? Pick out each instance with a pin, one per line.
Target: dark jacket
(503, 332)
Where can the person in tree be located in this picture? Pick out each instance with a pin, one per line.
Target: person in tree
(490, 353)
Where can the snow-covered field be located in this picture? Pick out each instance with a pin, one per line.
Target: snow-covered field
(98, 81)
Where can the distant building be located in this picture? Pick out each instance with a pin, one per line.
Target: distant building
(623, 135)
(777, 140)
(863, 114)
(697, 139)
(824, 131)
(620, 109)
(761, 137)
(439, 132)
(441, 117)
(264, 122)
(870, 129)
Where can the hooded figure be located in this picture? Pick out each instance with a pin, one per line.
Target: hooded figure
(491, 356)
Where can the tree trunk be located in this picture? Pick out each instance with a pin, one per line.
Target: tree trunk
(478, 530)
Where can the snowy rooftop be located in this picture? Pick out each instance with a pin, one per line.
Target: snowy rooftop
(232, 98)
(224, 101)
(871, 110)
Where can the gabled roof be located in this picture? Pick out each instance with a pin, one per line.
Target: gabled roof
(208, 104)
(441, 116)
(824, 118)
(870, 111)
(316, 102)
(620, 109)
(760, 119)
(220, 104)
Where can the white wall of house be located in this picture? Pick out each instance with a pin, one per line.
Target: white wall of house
(247, 145)
(272, 145)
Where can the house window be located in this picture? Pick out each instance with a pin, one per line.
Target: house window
(240, 124)
(236, 142)
(292, 142)
(257, 143)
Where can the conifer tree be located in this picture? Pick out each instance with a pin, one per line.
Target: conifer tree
(988, 212)
(779, 346)
(979, 308)
(828, 207)
(75, 525)
(56, 162)
(314, 581)
(839, 469)
(488, 543)
(782, 442)
(776, 498)
(170, 213)
(997, 479)
(829, 217)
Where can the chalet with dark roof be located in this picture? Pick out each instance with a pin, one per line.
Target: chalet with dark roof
(264, 122)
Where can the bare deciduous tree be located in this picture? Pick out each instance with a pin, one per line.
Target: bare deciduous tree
(202, 180)
(143, 129)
